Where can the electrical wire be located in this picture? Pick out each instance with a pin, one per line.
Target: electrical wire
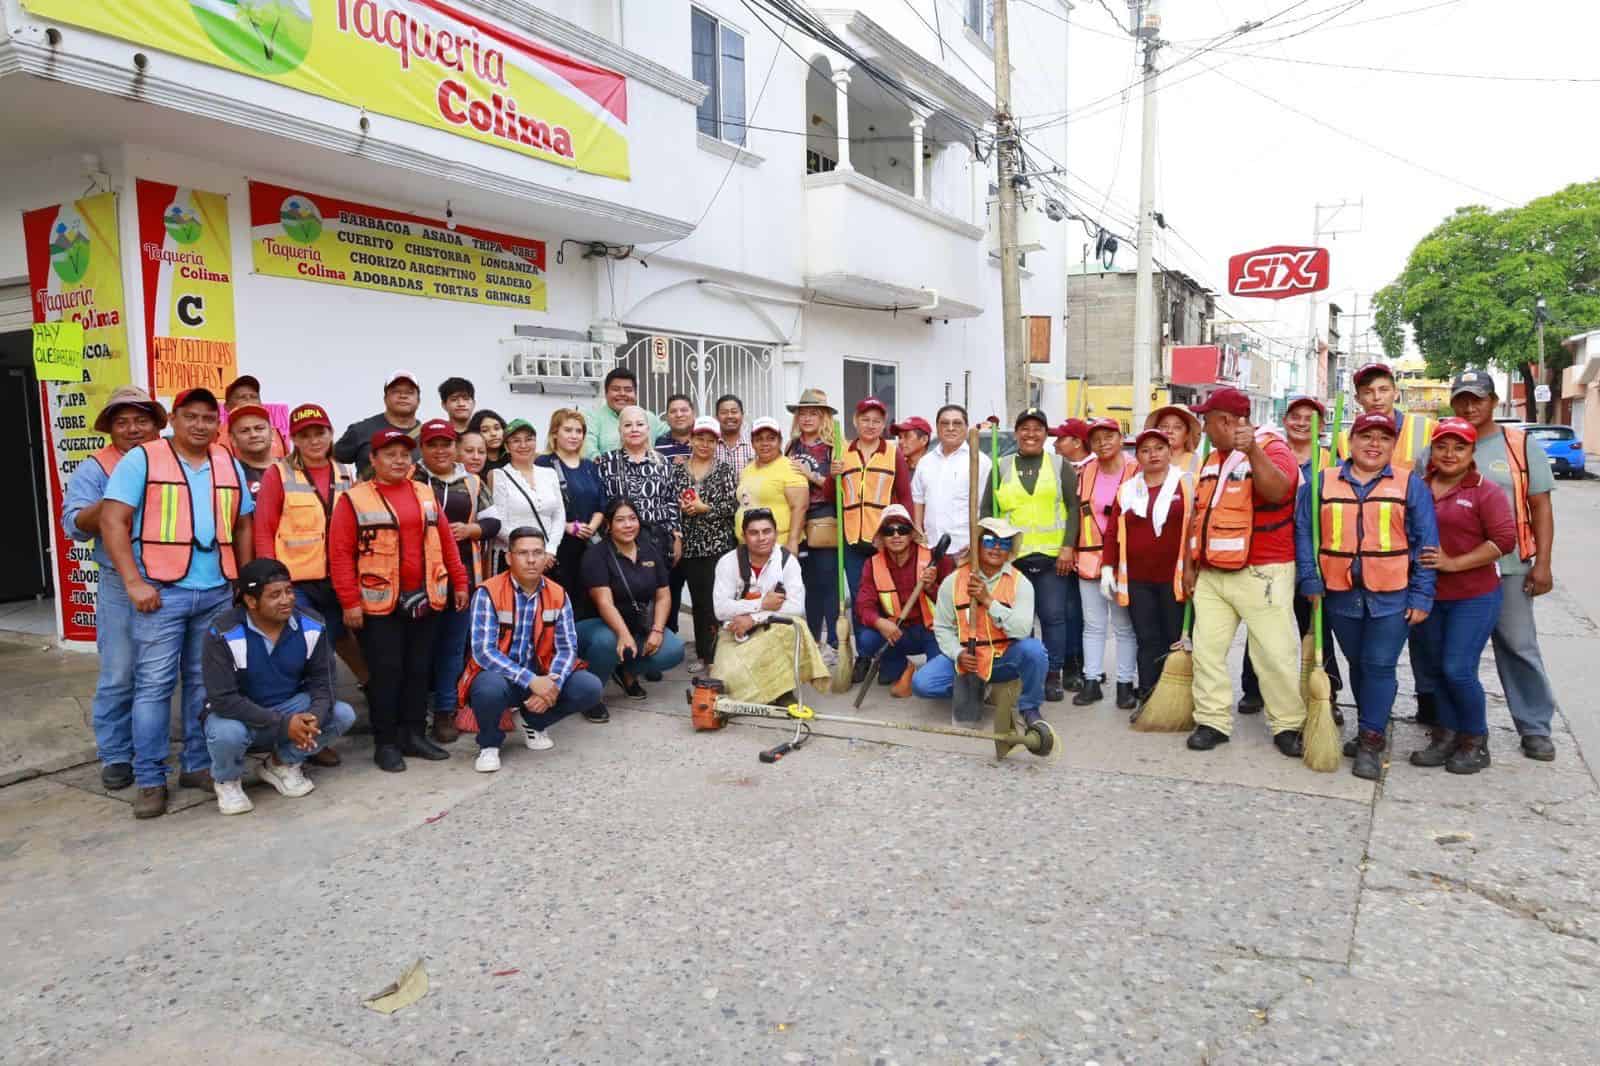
(1465, 75)
(940, 35)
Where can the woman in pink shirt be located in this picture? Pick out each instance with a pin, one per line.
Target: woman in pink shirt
(1476, 527)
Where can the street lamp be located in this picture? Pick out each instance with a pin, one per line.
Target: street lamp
(1540, 316)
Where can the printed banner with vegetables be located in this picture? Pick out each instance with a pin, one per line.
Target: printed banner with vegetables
(75, 275)
(295, 234)
(424, 61)
(186, 269)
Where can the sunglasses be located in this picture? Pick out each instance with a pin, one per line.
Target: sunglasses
(897, 531)
(989, 540)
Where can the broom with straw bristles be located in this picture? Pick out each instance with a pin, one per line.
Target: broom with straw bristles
(1170, 705)
(1320, 734)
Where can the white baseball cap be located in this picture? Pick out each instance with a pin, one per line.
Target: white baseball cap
(706, 424)
(765, 422)
(400, 375)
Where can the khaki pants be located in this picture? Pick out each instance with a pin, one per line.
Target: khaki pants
(1263, 598)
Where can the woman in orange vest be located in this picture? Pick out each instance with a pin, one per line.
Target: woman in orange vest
(873, 474)
(395, 567)
(1099, 480)
(886, 584)
(1144, 553)
(1375, 524)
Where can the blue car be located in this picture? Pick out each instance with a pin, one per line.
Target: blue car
(1561, 443)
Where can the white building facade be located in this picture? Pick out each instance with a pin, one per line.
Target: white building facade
(745, 205)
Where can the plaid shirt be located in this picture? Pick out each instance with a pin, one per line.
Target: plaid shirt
(510, 663)
(738, 456)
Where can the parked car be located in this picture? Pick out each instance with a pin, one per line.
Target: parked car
(1561, 443)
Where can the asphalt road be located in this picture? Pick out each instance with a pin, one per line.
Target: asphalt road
(644, 894)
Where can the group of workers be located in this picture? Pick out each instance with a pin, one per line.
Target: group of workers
(458, 569)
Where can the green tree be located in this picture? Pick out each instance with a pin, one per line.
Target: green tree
(1469, 288)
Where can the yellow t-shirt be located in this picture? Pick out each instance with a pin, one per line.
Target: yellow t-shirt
(762, 486)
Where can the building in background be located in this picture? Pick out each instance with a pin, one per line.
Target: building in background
(1420, 391)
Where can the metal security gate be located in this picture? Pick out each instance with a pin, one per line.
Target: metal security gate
(702, 368)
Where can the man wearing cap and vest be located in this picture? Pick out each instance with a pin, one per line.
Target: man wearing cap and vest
(1377, 393)
(523, 654)
(1241, 551)
(1376, 520)
(1514, 460)
(401, 397)
(129, 418)
(176, 523)
(395, 567)
(245, 391)
(1039, 495)
(872, 475)
(887, 584)
(251, 440)
(1099, 481)
(995, 646)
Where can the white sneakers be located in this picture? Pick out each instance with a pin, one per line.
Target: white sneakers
(488, 760)
(536, 739)
(287, 778)
(231, 798)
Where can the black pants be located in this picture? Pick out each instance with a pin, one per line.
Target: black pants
(569, 559)
(399, 653)
(1157, 624)
(700, 575)
(1330, 660)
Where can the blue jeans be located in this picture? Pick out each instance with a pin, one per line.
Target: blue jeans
(1447, 650)
(1024, 659)
(914, 640)
(169, 643)
(1058, 608)
(113, 690)
(229, 739)
(492, 693)
(450, 634)
(856, 557)
(597, 645)
(1372, 648)
(819, 568)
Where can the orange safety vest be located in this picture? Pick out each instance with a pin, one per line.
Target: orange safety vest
(889, 596)
(989, 642)
(1122, 547)
(166, 531)
(1372, 530)
(107, 458)
(301, 541)
(1090, 542)
(1517, 462)
(474, 487)
(502, 590)
(378, 550)
(868, 492)
(1224, 527)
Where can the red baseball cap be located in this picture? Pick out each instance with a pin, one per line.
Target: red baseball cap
(389, 435)
(1371, 370)
(1374, 420)
(1455, 427)
(1151, 434)
(1227, 401)
(871, 403)
(248, 409)
(243, 379)
(1307, 401)
(1105, 423)
(438, 429)
(1072, 427)
(916, 422)
(307, 415)
(188, 396)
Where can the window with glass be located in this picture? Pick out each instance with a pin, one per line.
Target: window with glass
(718, 63)
(863, 378)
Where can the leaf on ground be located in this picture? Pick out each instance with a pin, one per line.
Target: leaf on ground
(412, 986)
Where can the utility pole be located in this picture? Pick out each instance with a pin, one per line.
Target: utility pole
(1540, 315)
(1147, 28)
(1005, 152)
(1318, 231)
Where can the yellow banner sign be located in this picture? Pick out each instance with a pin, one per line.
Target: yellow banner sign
(323, 238)
(186, 269)
(58, 351)
(424, 61)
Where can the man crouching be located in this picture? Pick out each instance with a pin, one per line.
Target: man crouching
(269, 687)
(757, 584)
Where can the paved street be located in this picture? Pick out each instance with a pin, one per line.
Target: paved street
(643, 894)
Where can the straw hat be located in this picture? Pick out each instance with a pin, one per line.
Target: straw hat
(1190, 419)
(129, 396)
(813, 398)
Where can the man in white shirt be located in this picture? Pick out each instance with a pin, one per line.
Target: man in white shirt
(940, 486)
(756, 583)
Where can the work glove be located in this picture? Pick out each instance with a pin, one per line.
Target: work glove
(1108, 584)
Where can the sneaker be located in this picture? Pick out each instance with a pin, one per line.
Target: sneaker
(231, 798)
(536, 739)
(696, 667)
(488, 760)
(287, 778)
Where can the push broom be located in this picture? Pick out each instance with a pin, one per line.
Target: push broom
(1321, 734)
(1170, 705)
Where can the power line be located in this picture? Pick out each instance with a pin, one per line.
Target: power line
(1466, 75)
(940, 35)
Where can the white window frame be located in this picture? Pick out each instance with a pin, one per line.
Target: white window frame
(873, 366)
(983, 10)
(741, 125)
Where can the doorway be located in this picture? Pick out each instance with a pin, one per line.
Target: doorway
(24, 479)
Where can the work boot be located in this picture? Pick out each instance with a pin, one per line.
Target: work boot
(389, 759)
(1204, 738)
(417, 744)
(1125, 697)
(325, 757)
(444, 728)
(1353, 745)
(902, 687)
(1427, 710)
(1251, 704)
(1541, 749)
(1369, 755)
(1089, 693)
(150, 802)
(1289, 743)
(116, 775)
(1437, 753)
(1469, 757)
(1072, 675)
(859, 674)
(200, 779)
(1053, 690)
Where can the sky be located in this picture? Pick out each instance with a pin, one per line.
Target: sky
(1237, 170)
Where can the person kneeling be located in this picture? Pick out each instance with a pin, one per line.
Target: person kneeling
(523, 650)
(994, 645)
(756, 585)
(269, 687)
(888, 582)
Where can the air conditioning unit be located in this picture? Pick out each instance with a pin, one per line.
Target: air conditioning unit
(566, 366)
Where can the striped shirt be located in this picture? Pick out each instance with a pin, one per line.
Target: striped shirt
(511, 662)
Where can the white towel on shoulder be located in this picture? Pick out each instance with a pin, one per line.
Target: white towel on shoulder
(1135, 497)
